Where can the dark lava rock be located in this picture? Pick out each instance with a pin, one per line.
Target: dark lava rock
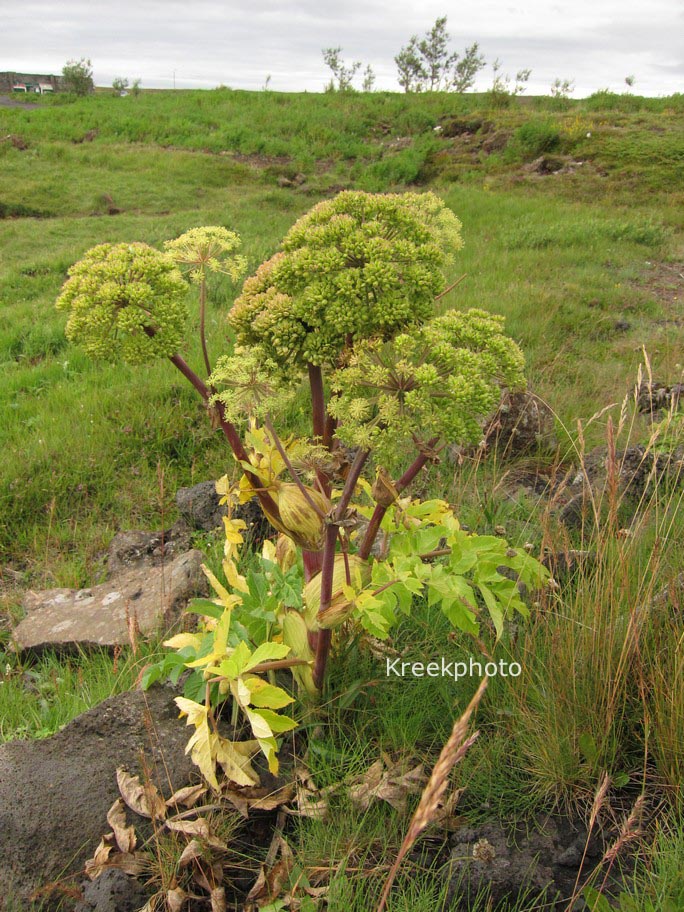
(112, 891)
(55, 793)
(656, 398)
(128, 549)
(546, 164)
(497, 142)
(200, 508)
(458, 126)
(540, 861)
(521, 424)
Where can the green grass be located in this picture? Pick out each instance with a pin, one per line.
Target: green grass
(38, 698)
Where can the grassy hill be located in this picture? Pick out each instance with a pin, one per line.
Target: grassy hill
(574, 250)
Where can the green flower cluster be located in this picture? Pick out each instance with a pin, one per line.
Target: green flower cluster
(207, 249)
(247, 385)
(438, 381)
(355, 266)
(125, 301)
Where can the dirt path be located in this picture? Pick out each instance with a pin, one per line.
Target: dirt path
(6, 101)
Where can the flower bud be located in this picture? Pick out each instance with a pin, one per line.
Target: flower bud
(285, 552)
(340, 607)
(299, 519)
(296, 636)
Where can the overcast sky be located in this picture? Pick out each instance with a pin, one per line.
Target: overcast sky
(596, 43)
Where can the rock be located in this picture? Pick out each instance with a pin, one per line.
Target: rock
(151, 597)
(458, 126)
(486, 859)
(541, 860)
(199, 507)
(133, 548)
(545, 164)
(521, 424)
(497, 142)
(55, 793)
(112, 891)
(656, 398)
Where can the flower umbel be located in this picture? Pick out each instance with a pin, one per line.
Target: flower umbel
(439, 381)
(354, 267)
(208, 249)
(125, 300)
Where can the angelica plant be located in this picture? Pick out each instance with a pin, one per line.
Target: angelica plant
(343, 316)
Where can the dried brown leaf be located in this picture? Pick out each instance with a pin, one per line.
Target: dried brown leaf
(124, 835)
(387, 781)
(132, 863)
(192, 851)
(218, 900)
(197, 829)
(142, 798)
(187, 797)
(96, 865)
(175, 899)
(259, 799)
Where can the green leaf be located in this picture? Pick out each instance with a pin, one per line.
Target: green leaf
(275, 721)
(267, 652)
(493, 607)
(206, 608)
(588, 746)
(596, 901)
(267, 695)
(460, 616)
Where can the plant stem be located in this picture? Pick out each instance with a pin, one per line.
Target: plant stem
(291, 469)
(317, 401)
(228, 428)
(327, 570)
(450, 287)
(379, 512)
(319, 421)
(202, 306)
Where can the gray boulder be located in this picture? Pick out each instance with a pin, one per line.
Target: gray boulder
(199, 506)
(152, 598)
(112, 891)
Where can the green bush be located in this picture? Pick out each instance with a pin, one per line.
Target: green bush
(535, 138)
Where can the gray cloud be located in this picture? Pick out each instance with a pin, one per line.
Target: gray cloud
(237, 42)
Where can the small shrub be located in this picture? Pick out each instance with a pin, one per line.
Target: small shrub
(535, 138)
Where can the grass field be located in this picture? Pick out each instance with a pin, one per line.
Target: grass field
(573, 228)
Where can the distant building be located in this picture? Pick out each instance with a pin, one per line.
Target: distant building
(28, 82)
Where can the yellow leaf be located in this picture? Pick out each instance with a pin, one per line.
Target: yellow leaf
(234, 757)
(181, 640)
(200, 749)
(234, 579)
(268, 551)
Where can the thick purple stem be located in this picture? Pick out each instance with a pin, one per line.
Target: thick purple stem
(379, 512)
(325, 636)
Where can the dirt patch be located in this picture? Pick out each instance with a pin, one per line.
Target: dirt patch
(665, 283)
